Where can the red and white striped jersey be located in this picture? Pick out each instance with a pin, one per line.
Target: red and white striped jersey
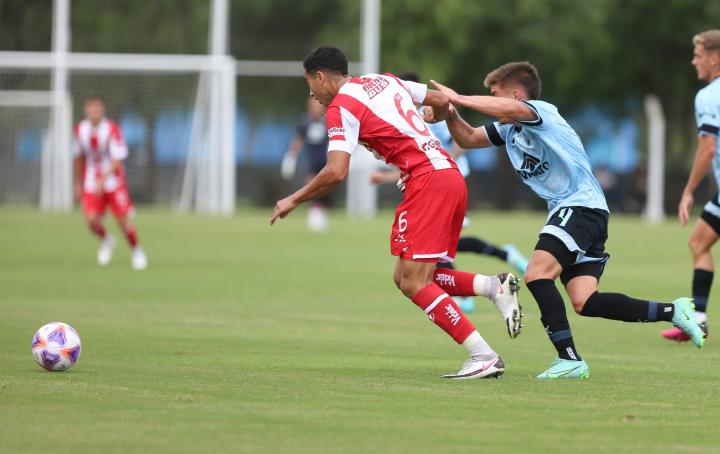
(378, 112)
(100, 145)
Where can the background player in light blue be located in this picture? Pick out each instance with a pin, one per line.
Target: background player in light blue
(706, 60)
(549, 157)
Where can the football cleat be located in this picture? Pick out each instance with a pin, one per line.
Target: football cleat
(678, 335)
(479, 368)
(684, 318)
(139, 260)
(105, 252)
(506, 300)
(515, 258)
(565, 368)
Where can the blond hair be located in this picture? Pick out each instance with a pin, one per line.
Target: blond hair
(518, 72)
(709, 39)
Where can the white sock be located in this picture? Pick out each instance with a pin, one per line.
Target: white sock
(486, 286)
(700, 317)
(477, 347)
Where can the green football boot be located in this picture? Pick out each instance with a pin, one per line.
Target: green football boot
(684, 318)
(565, 368)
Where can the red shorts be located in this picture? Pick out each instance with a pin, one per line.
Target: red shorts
(119, 201)
(429, 219)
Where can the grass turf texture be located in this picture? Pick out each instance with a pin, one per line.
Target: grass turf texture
(247, 338)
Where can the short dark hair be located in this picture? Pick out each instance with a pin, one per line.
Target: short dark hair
(519, 72)
(326, 58)
(411, 76)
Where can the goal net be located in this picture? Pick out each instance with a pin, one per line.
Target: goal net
(155, 113)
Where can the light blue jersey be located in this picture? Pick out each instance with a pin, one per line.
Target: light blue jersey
(442, 132)
(707, 117)
(549, 157)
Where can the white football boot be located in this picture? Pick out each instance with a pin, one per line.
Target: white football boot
(506, 300)
(479, 368)
(139, 260)
(105, 253)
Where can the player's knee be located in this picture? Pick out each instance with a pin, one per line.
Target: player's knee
(535, 272)
(92, 222)
(696, 247)
(578, 304)
(410, 287)
(397, 279)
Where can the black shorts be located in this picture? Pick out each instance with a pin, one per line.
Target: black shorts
(711, 213)
(576, 237)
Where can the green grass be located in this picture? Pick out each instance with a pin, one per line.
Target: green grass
(245, 338)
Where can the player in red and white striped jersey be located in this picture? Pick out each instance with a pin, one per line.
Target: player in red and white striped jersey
(378, 112)
(99, 150)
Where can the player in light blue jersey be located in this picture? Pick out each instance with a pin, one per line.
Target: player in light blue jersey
(706, 60)
(549, 157)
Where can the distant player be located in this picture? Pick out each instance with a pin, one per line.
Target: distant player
(310, 140)
(706, 60)
(378, 111)
(548, 156)
(99, 150)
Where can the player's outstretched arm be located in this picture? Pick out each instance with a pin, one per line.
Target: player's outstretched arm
(494, 106)
(438, 102)
(334, 172)
(464, 135)
(707, 144)
(78, 171)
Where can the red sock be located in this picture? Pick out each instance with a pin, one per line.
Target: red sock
(443, 311)
(454, 282)
(97, 228)
(131, 235)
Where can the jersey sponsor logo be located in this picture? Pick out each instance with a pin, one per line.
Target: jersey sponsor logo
(452, 315)
(432, 144)
(445, 280)
(374, 85)
(336, 132)
(531, 167)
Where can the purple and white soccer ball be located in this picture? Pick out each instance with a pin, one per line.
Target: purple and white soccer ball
(56, 346)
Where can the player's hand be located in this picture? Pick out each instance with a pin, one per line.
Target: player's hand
(429, 115)
(376, 177)
(686, 203)
(383, 176)
(100, 186)
(447, 91)
(78, 189)
(288, 165)
(282, 208)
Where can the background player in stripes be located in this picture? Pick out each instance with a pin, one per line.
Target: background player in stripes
(99, 150)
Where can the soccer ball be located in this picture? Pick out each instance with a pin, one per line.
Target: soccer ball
(56, 346)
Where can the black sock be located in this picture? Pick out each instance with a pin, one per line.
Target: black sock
(702, 281)
(473, 244)
(553, 317)
(446, 265)
(616, 306)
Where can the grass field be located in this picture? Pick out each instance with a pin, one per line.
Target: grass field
(245, 338)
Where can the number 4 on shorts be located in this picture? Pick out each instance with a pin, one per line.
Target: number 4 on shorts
(565, 214)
